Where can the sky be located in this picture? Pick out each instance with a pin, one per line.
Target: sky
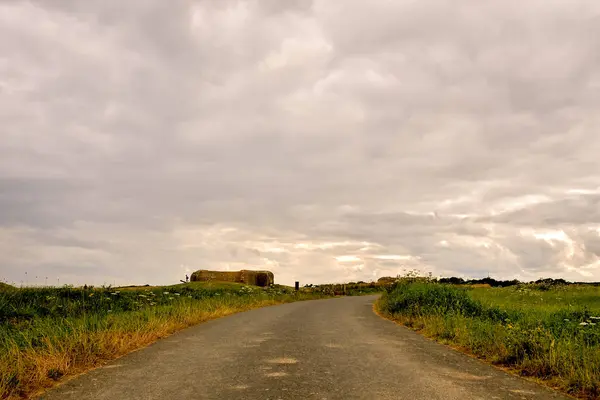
(323, 140)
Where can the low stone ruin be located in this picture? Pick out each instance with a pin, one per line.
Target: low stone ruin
(256, 278)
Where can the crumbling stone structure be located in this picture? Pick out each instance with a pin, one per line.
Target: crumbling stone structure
(257, 278)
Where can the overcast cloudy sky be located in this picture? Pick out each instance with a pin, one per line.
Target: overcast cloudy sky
(323, 140)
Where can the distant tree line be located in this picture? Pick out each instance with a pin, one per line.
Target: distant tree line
(387, 280)
(504, 283)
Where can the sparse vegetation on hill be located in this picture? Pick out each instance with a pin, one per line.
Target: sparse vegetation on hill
(547, 330)
(5, 286)
(49, 333)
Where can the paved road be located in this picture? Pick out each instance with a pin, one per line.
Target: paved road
(324, 349)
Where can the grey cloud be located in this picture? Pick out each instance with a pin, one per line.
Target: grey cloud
(131, 130)
(276, 7)
(579, 210)
(591, 240)
(37, 202)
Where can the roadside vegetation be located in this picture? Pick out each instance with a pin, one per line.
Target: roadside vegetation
(47, 334)
(344, 289)
(5, 286)
(547, 330)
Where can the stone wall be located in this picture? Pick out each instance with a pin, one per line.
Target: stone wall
(257, 278)
(221, 276)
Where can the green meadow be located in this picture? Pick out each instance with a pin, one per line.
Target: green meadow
(548, 332)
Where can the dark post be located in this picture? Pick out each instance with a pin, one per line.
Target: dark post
(297, 285)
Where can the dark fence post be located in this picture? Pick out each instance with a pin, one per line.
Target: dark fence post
(297, 285)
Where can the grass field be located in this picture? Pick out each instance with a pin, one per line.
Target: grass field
(47, 334)
(548, 332)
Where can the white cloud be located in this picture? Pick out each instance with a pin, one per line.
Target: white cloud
(344, 259)
(394, 257)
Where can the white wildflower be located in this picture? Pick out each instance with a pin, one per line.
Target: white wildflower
(165, 292)
(176, 294)
(583, 323)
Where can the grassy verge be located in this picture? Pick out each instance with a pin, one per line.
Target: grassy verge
(344, 289)
(551, 334)
(47, 334)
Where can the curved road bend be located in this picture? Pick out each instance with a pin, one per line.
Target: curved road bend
(323, 349)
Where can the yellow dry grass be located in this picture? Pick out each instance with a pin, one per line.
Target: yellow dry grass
(86, 349)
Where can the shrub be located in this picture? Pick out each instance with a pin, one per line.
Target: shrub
(422, 298)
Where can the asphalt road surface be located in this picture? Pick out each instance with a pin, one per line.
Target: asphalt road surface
(324, 349)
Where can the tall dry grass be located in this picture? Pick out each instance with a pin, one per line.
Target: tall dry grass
(39, 347)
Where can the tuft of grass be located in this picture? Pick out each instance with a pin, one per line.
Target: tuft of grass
(551, 334)
(47, 334)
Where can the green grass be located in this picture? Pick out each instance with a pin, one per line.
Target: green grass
(550, 333)
(211, 285)
(540, 298)
(345, 289)
(49, 333)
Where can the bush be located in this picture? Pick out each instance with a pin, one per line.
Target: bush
(429, 298)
